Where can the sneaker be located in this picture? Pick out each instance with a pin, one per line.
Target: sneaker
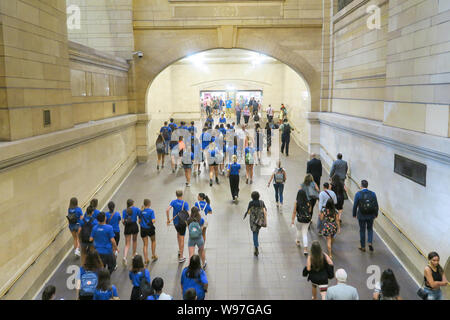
(278, 204)
(162, 167)
(370, 248)
(154, 258)
(146, 263)
(210, 182)
(204, 266)
(256, 252)
(362, 249)
(77, 252)
(251, 181)
(176, 167)
(179, 254)
(217, 180)
(115, 268)
(246, 181)
(181, 260)
(173, 170)
(188, 184)
(124, 261)
(305, 252)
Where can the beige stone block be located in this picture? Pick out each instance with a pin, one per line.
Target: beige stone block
(5, 134)
(27, 13)
(437, 120)
(20, 123)
(409, 116)
(15, 97)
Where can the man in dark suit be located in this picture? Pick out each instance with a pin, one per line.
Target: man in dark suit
(314, 166)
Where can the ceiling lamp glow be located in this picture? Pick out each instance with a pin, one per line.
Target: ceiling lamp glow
(198, 61)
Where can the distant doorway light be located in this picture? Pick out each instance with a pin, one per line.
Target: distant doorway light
(231, 88)
(198, 60)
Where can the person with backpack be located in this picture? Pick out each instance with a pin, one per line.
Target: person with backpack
(249, 152)
(301, 218)
(160, 151)
(180, 216)
(192, 129)
(365, 209)
(105, 290)
(193, 276)
(341, 192)
(195, 225)
(147, 223)
(187, 162)
(312, 191)
(324, 196)
(158, 294)
(113, 219)
(204, 206)
(331, 224)
(87, 280)
(102, 236)
(86, 225)
(209, 122)
(233, 176)
(74, 214)
(258, 218)
(129, 220)
(94, 205)
(215, 157)
(285, 130)
(269, 112)
(166, 133)
(319, 268)
(140, 279)
(172, 125)
(279, 178)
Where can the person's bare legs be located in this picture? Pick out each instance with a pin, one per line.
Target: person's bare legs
(134, 244)
(247, 169)
(153, 239)
(191, 252)
(127, 246)
(145, 250)
(251, 173)
(162, 160)
(329, 241)
(76, 243)
(180, 245)
(314, 292)
(216, 172)
(201, 253)
(204, 234)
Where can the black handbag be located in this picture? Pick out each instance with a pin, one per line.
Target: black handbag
(422, 293)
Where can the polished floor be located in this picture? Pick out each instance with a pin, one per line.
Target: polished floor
(233, 272)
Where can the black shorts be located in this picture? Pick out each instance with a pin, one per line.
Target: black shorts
(147, 232)
(131, 228)
(181, 228)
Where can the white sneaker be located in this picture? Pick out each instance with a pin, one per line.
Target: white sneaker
(77, 252)
(124, 261)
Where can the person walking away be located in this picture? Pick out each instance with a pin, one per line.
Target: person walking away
(365, 209)
(74, 214)
(246, 113)
(140, 278)
(195, 226)
(233, 174)
(187, 162)
(113, 219)
(147, 222)
(105, 290)
(160, 151)
(214, 159)
(88, 276)
(301, 218)
(387, 288)
(340, 190)
(249, 162)
(193, 276)
(228, 108)
(166, 133)
(238, 110)
(314, 166)
(285, 130)
(259, 142)
(342, 291)
(103, 238)
(86, 225)
(279, 178)
(434, 277)
(330, 223)
(258, 218)
(324, 196)
(158, 294)
(340, 168)
(204, 206)
(269, 112)
(312, 191)
(179, 206)
(319, 268)
(129, 220)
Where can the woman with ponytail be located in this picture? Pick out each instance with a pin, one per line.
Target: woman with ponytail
(113, 218)
(203, 205)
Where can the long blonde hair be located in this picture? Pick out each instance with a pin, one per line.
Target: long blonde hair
(308, 179)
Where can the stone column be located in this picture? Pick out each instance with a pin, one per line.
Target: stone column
(34, 69)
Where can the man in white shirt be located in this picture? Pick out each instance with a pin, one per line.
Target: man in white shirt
(269, 112)
(342, 291)
(326, 194)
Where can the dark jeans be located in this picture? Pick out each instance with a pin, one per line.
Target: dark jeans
(317, 181)
(109, 261)
(312, 203)
(279, 188)
(246, 119)
(238, 117)
(117, 237)
(363, 224)
(285, 143)
(234, 185)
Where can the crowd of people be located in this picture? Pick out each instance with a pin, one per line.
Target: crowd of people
(96, 234)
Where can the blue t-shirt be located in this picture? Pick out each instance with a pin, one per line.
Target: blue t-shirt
(192, 129)
(86, 219)
(77, 211)
(168, 130)
(229, 102)
(223, 131)
(188, 283)
(114, 221)
(136, 277)
(176, 205)
(94, 214)
(134, 215)
(234, 169)
(203, 205)
(147, 215)
(223, 120)
(206, 139)
(173, 124)
(106, 295)
(102, 235)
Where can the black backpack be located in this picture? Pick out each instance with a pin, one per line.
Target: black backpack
(86, 230)
(145, 286)
(183, 215)
(367, 204)
(72, 217)
(172, 127)
(303, 214)
(165, 134)
(286, 130)
(128, 219)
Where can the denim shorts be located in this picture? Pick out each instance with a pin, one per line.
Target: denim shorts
(74, 227)
(196, 242)
(433, 294)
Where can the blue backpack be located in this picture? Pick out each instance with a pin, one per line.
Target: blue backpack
(89, 282)
(195, 231)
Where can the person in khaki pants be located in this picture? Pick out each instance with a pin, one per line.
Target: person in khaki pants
(228, 108)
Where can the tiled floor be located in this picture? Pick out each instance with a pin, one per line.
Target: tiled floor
(233, 272)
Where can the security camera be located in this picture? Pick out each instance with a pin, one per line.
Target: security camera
(140, 54)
